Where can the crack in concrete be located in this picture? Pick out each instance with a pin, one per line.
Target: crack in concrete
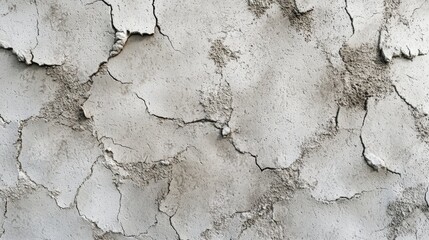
(115, 143)
(350, 17)
(159, 28)
(38, 32)
(4, 120)
(364, 148)
(346, 198)
(5, 217)
(180, 122)
(404, 99)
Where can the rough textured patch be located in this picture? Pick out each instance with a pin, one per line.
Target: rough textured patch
(406, 30)
(36, 216)
(57, 157)
(216, 119)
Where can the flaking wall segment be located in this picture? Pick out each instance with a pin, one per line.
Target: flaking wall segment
(238, 119)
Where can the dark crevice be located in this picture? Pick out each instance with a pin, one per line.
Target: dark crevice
(350, 17)
(159, 28)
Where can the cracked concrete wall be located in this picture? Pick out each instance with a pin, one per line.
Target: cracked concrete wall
(244, 119)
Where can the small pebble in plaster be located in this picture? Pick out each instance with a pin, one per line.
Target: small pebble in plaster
(226, 131)
(120, 40)
(374, 161)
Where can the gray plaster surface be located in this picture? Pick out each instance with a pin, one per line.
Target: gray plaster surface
(243, 119)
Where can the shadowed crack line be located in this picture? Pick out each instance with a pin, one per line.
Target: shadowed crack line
(159, 28)
(363, 144)
(350, 17)
(4, 216)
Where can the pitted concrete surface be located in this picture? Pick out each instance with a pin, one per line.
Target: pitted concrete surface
(243, 119)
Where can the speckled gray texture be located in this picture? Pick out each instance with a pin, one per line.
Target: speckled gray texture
(243, 119)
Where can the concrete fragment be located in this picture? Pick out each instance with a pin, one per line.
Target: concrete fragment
(99, 201)
(139, 206)
(74, 33)
(25, 89)
(8, 155)
(18, 20)
(374, 161)
(226, 131)
(57, 157)
(36, 216)
(406, 19)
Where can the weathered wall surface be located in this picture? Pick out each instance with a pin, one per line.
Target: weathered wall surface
(232, 119)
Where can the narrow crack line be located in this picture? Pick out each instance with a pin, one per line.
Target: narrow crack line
(154, 115)
(115, 143)
(84, 181)
(336, 117)
(417, 8)
(427, 196)
(111, 14)
(159, 28)
(4, 216)
(38, 31)
(4, 120)
(120, 205)
(350, 17)
(250, 154)
(110, 74)
(179, 121)
(364, 146)
(354, 196)
(170, 219)
(403, 98)
(77, 193)
(99, 69)
(361, 131)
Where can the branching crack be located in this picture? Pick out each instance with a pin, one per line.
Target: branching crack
(250, 154)
(350, 17)
(115, 143)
